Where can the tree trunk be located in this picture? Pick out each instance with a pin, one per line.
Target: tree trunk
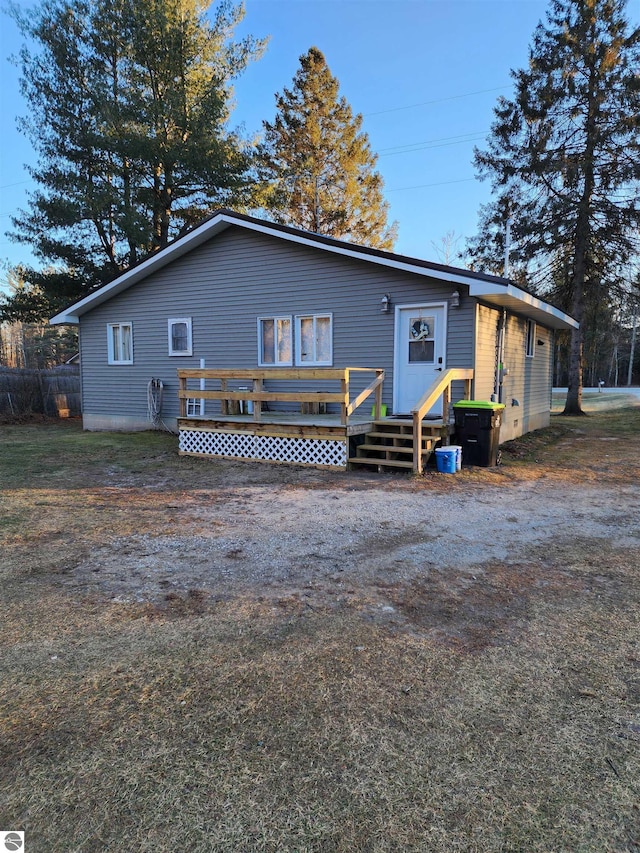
(573, 405)
(633, 349)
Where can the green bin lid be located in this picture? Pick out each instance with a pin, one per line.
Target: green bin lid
(478, 404)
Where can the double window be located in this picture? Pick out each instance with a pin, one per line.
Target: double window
(304, 340)
(120, 343)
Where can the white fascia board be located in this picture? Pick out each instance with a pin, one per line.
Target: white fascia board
(538, 309)
(494, 292)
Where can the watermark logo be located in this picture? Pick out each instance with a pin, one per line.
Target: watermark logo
(12, 841)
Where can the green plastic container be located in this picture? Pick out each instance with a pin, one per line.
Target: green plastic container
(478, 431)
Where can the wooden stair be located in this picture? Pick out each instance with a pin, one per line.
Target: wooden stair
(390, 444)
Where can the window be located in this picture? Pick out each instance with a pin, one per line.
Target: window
(274, 341)
(120, 343)
(195, 408)
(422, 331)
(180, 342)
(314, 339)
(531, 338)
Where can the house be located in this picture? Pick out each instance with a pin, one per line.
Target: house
(207, 336)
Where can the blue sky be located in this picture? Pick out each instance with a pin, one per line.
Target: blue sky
(425, 74)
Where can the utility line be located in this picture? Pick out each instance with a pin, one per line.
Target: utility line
(431, 146)
(442, 139)
(436, 101)
(424, 186)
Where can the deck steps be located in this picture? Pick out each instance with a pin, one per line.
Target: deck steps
(390, 444)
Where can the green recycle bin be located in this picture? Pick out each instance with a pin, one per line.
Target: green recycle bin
(477, 430)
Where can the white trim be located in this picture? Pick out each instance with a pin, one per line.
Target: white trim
(111, 354)
(174, 321)
(397, 333)
(315, 362)
(530, 339)
(494, 292)
(276, 362)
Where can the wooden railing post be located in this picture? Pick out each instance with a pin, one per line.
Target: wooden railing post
(446, 399)
(379, 396)
(257, 404)
(183, 400)
(417, 443)
(344, 385)
(224, 404)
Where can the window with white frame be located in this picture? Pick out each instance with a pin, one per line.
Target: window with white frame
(314, 339)
(180, 340)
(275, 345)
(120, 343)
(531, 338)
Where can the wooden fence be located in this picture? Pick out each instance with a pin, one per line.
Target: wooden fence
(54, 392)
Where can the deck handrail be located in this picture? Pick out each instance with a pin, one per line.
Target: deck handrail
(441, 386)
(257, 394)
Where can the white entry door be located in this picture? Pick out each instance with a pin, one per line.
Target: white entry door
(420, 348)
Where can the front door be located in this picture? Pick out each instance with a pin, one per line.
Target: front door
(420, 348)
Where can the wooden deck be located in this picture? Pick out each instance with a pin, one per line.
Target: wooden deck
(302, 439)
(245, 425)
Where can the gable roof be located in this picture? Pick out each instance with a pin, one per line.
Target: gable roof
(496, 291)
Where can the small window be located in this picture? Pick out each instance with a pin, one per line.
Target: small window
(531, 338)
(120, 343)
(274, 341)
(314, 339)
(180, 342)
(195, 408)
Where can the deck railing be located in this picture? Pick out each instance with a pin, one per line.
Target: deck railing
(257, 394)
(442, 385)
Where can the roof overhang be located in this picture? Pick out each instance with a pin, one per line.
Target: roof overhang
(518, 301)
(497, 292)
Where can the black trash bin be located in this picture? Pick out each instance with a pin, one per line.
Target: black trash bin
(478, 431)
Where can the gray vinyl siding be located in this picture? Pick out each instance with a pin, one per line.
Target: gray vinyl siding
(487, 323)
(528, 380)
(224, 285)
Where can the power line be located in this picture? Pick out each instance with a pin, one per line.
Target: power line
(424, 186)
(461, 136)
(437, 101)
(431, 145)
(17, 184)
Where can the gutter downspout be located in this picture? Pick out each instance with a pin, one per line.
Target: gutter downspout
(498, 393)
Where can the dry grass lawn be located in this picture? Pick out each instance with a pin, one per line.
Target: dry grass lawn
(499, 710)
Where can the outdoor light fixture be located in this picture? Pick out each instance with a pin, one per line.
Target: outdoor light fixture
(454, 299)
(540, 343)
(385, 304)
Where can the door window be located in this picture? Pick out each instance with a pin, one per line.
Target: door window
(422, 339)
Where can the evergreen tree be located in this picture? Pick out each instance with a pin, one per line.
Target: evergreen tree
(129, 103)
(564, 154)
(319, 165)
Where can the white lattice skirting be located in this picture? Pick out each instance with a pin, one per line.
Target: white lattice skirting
(300, 451)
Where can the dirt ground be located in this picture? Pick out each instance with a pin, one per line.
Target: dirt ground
(456, 557)
(240, 658)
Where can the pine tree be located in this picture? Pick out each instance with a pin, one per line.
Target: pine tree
(565, 154)
(318, 162)
(129, 103)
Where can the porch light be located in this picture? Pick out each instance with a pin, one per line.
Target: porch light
(385, 304)
(454, 299)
